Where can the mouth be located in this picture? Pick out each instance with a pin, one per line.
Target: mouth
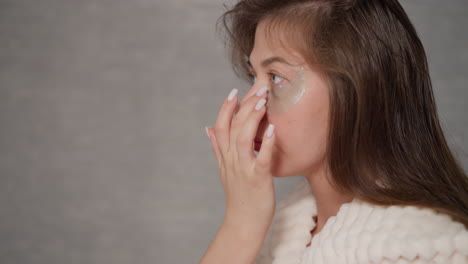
(258, 144)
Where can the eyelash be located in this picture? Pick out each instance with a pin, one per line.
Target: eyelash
(252, 77)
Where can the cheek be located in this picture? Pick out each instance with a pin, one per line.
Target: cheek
(302, 133)
(303, 130)
(300, 146)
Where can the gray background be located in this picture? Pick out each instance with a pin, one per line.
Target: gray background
(103, 153)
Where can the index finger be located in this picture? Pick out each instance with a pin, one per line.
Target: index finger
(252, 93)
(222, 125)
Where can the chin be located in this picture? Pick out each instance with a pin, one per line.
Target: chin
(278, 173)
(279, 168)
(286, 165)
(283, 168)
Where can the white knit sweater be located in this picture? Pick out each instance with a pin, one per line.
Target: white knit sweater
(361, 233)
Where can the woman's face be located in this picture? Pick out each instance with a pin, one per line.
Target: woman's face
(297, 105)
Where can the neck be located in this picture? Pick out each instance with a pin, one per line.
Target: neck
(328, 199)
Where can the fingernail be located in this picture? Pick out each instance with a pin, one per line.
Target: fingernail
(206, 129)
(232, 94)
(270, 130)
(261, 91)
(260, 104)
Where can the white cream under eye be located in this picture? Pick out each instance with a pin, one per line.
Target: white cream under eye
(282, 97)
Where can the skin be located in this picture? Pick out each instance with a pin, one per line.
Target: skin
(281, 97)
(297, 147)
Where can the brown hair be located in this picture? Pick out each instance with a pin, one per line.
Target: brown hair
(386, 145)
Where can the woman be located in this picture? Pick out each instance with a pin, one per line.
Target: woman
(340, 94)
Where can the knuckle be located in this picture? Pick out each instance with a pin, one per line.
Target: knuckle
(254, 99)
(248, 108)
(245, 99)
(261, 165)
(218, 128)
(242, 140)
(236, 122)
(251, 100)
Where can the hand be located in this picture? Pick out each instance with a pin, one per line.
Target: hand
(247, 180)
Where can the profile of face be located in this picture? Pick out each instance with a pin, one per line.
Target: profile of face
(298, 106)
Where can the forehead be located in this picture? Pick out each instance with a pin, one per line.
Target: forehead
(271, 40)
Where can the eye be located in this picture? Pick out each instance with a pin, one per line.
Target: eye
(276, 78)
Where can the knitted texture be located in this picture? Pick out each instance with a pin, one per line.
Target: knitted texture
(361, 233)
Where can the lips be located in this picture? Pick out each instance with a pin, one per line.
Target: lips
(258, 144)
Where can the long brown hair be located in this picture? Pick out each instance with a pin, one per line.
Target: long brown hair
(385, 143)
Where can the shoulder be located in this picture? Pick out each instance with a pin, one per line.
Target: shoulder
(372, 233)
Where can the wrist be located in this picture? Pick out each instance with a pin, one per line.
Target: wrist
(233, 243)
(247, 231)
(244, 240)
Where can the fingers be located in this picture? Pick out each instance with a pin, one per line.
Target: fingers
(222, 125)
(246, 135)
(264, 157)
(214, 145)
(247, 118)
(252, 93)
(236, 134)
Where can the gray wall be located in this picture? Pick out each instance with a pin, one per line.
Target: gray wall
(103, 153)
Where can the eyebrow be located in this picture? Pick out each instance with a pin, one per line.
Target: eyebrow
(271, 60)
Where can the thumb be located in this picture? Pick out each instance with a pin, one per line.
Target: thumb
(265, 155)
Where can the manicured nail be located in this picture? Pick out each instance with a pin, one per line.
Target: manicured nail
(206, 129)
(260, 104)
(270, 129)
(232, 94)
(261, 91)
